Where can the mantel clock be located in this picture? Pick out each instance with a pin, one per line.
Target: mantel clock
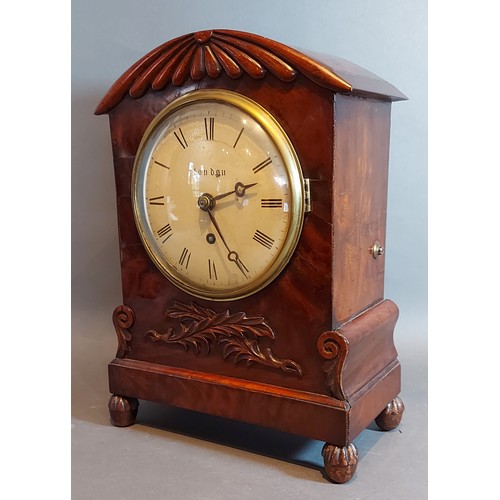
(251, 183)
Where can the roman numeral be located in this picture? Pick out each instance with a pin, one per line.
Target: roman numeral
(164, 231)
(157, 200)
(238, 138)
(161, 164)
(181, 139)
(212, 271)
(184, 259)
(262, 165)
(209, 128)
(271, 203)
(263, 239)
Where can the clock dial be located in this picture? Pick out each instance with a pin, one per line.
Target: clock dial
(218, 195)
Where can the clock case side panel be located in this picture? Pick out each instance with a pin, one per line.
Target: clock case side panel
(362, 131)
(366, 371)
(297, 305)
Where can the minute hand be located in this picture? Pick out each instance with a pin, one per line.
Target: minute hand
(239, 189)
(216, 225)
(232, 255)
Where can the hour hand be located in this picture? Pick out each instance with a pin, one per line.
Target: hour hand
(239, 190)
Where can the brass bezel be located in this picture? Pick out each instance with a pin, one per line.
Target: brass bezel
(292, 167)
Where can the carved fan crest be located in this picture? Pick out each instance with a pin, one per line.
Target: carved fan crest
(212, 53)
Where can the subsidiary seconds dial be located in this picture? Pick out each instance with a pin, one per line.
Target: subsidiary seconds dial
(218, 195)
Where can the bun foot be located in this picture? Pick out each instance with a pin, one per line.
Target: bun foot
(122, 410)
(340, 462)
(391, 416)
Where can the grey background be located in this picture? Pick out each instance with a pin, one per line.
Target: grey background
(183, 454)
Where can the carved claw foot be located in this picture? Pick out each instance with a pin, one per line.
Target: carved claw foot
(122, 410)
(340, 462)
(391, 416)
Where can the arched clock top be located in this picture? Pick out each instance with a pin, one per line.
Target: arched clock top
(212, 53)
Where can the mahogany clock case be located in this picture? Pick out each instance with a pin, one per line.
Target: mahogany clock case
(327, 366)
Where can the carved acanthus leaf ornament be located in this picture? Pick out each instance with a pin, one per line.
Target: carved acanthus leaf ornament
(239, 335)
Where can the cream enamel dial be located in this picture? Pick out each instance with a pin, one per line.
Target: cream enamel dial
(218, 195)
